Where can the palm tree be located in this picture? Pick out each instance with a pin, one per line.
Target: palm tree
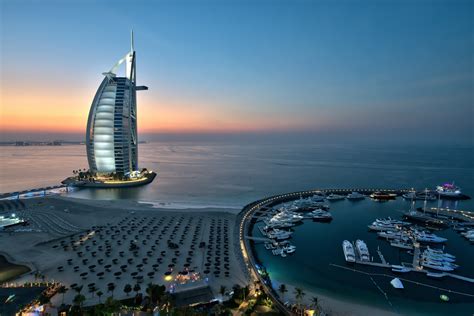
(127, 289)
(137, 288)
(92, 291)
(78, 289)
(315, 303)
(282, 289)
(222, 290)
(111, 288)
(99, 294)
(62, 290)
(79, 300)
(299, 295)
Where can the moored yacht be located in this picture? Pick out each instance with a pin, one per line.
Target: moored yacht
(355, 196)
(400, 269)
(448, 190)
(428, 238)
(321, 215)
(362, 250)
(379, 196)
(348, 251)
(437, 265)
(335, 197)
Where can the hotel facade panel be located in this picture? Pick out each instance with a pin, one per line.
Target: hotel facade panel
(111, 139)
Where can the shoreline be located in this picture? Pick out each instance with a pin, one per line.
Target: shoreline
(331, 305)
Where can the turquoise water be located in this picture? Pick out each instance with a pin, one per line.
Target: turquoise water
(232, 175)
(319, 245)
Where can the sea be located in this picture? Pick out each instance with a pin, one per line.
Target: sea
(230, 175)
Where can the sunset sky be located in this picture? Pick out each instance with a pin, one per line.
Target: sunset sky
(393, 69)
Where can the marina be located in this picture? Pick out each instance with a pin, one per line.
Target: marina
(412, 241)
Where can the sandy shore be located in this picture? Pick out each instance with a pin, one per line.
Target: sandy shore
(94, 235)
(334, 306)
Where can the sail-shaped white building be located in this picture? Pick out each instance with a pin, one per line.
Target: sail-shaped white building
(111, 139)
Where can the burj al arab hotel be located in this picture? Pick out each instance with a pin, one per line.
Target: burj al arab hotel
(111, 136)
(111, 139)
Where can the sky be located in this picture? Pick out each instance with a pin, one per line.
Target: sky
(342, 70)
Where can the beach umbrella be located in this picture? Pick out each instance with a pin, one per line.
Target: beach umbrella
(206, 271)
(167, 273)
(83, 274)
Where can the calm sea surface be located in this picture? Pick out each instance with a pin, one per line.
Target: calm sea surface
(232, 175)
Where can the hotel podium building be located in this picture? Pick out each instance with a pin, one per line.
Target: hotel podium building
(111, 136)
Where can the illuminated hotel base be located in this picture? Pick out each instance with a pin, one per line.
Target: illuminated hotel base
(106, 184)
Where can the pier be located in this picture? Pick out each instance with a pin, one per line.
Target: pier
(410, 281)
(252, 213)
(382, 258)
(33, 192)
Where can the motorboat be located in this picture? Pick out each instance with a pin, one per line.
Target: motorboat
(355, 196)
(437, 266)
(383, 227)
(289, 249)
(348, 249)
(439, 251)
(390, 221)
(469, 234)
(380, 196)
(435, 275)
(401, 244)
(448, 190)
(429, 238)
(335, 197)
(437, 258)
(279, 234)
(362, 249)
(321, 215)
(396, 283)
(400, 269)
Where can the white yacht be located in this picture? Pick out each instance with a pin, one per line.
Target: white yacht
(400, 269)
(321, 215)
(448, 190)
(348, 251)
(390, 221)
(289, 249)
(439, 251)
(383, 227)
(396, 283)
(279, 234)
(335, 197)
(435, 258)
(355, 196)
(437, 266)
(362, 250)
(429, 238)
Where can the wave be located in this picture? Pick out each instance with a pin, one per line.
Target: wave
(189, 205)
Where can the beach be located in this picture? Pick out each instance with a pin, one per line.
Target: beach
(81, 242)
(334, 306)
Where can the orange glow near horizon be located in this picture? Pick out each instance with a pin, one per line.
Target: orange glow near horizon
(66, 112)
